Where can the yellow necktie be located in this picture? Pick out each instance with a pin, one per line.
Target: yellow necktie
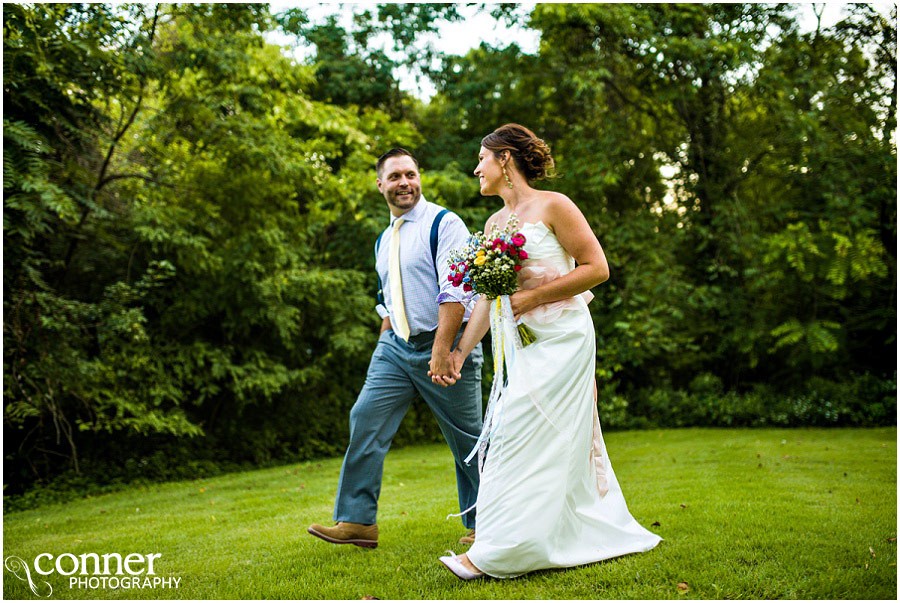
(399, 323)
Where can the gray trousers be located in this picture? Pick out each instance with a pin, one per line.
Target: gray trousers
(397, 371)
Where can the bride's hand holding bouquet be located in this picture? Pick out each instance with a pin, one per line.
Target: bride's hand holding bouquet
(522, 302)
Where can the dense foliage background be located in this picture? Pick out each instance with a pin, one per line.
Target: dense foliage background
(189, 216)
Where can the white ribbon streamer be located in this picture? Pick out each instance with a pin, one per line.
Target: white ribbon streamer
(505, 342)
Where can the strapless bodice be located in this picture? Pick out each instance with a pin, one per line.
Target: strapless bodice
(544, 249)
(547, 261)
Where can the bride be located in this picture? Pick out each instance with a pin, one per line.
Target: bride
(548, 495)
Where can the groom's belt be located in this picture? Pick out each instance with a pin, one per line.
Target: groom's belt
(423, 337)
(426, 336)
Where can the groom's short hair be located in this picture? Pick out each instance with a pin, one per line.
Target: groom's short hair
(398, 152)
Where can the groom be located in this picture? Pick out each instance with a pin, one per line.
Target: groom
(422, 313)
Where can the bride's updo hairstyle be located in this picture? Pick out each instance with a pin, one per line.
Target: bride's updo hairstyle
(531, 154)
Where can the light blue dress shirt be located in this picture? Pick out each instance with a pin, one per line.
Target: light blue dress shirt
(423, 292)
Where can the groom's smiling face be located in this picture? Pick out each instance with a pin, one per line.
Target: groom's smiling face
(399, 183)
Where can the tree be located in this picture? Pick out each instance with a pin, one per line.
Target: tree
(178, 271)
(694, 87)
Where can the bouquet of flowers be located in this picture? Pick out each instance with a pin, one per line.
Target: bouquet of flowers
(488, 265)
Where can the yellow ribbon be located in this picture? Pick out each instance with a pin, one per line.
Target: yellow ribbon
(498, 358)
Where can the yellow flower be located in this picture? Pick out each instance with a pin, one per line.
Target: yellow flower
(479, 260)
(480, 252)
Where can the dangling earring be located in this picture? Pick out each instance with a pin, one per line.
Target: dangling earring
(505, 175)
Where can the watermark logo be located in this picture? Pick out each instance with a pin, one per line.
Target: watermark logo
(17, 566)
(90, 571)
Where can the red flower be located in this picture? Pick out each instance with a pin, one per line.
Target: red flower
(518, 239)
(517, 267)
(523, 255)
(450, 277)
(467, 287)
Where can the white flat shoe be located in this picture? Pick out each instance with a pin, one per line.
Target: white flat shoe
(458, 569)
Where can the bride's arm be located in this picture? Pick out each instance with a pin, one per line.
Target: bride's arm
(575, 235)
(476, 328)
(480, 319)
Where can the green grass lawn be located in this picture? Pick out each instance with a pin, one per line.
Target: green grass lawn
(767, 513)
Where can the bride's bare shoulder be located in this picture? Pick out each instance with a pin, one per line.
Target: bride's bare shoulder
(559, 209)
(555, 200)
(556, 203)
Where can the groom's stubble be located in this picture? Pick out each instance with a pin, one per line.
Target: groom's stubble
(400, 184)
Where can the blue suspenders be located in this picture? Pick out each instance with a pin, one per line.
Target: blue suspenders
(434, 243)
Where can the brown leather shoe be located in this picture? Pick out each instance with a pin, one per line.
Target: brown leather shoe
(344, 532)
(469, 538)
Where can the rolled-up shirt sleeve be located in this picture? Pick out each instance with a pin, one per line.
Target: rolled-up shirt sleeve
(453, 234)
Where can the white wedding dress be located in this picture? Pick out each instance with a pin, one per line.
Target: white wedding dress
(548, 495)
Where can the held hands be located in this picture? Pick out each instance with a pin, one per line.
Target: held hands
(445, 368)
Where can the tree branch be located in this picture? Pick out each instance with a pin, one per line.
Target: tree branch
(114, 177)
(101, 177)
(642, 108)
